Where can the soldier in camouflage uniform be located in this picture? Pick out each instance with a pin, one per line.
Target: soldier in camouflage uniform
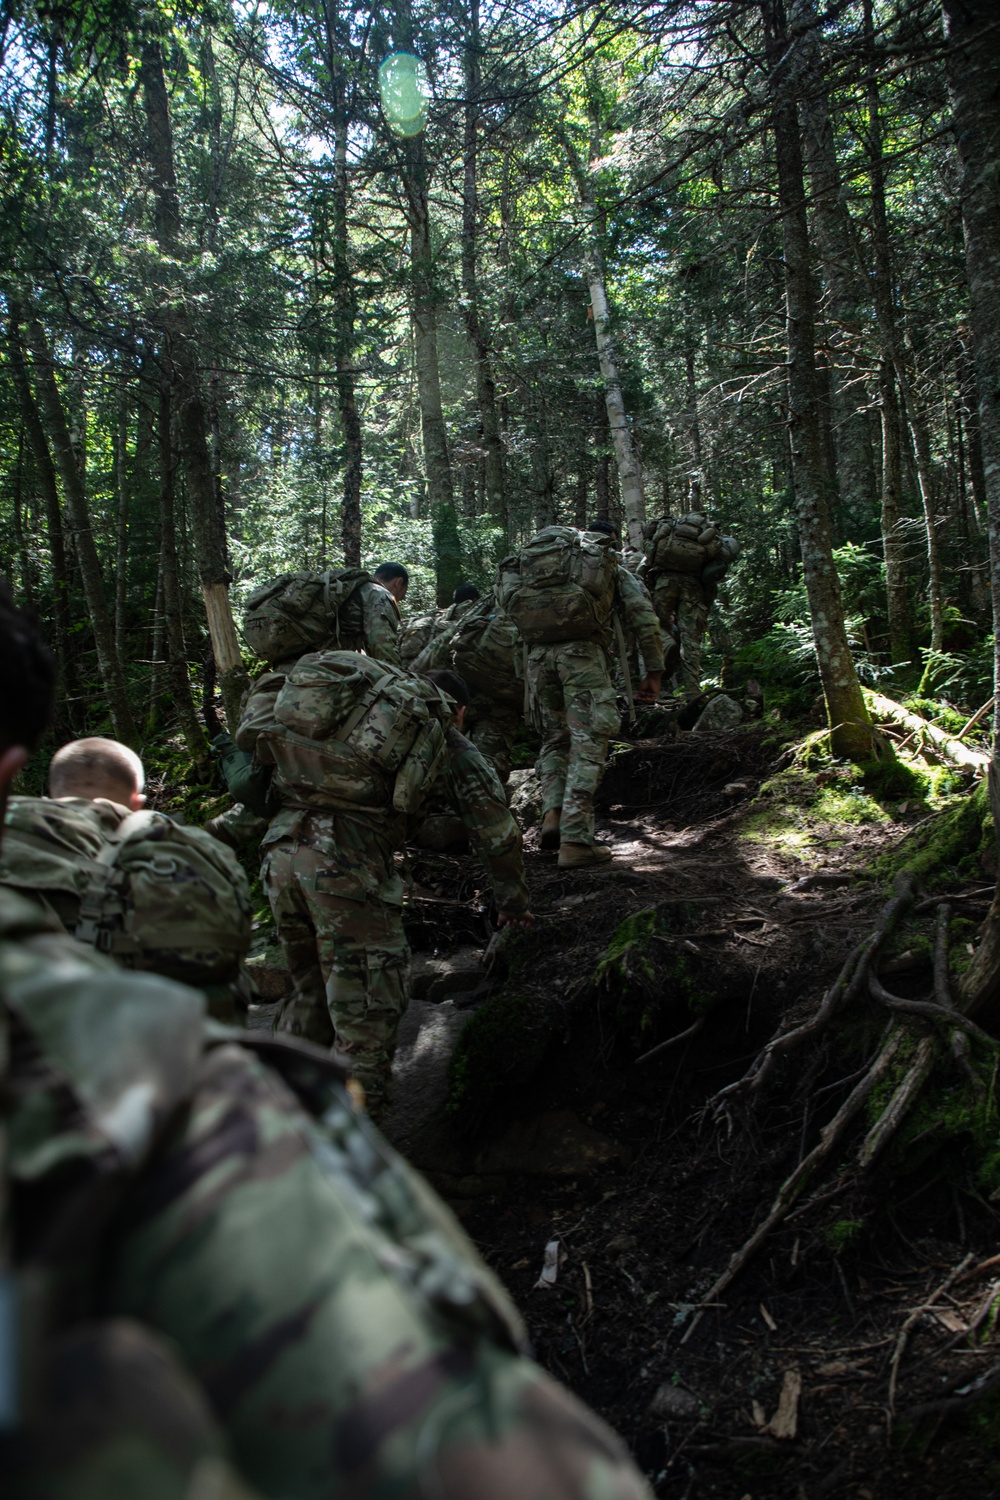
(337, 897)
(421, 631)
(491, 668)
(368, 622)
(576, 710)
(221, 1188)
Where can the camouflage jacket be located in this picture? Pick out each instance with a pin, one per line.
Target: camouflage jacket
(345, 1334)
(420, 630)
(380, 625)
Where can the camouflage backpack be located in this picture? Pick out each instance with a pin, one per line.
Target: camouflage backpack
(301, 611)
(345, 730)
(482, 646)
(681, 544)
(560, 586)
(150, 892)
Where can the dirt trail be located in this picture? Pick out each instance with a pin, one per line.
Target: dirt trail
(648, 1198)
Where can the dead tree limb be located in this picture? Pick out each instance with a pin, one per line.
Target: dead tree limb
(904, 1333)
(887, 710)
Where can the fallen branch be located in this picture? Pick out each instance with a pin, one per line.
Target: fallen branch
(672, 1041)
(899, 1105)
(980, 713)
(904, 1334)
(883, 709)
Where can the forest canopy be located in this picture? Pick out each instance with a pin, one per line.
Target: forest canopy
(636, 252)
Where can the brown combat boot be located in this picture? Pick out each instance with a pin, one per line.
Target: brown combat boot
(550, 828)
(583, 856)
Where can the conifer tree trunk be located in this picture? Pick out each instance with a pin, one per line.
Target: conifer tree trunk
(844, 293)
(486, 396)
(78, 512)
(889, 333)
(629, 477)
(850, 728)
(192, 424)
(177, 664)
(891, 519)
(345, 302)
(973, 61)
(48, 484)
(121, 528)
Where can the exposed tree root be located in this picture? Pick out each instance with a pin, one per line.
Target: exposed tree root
(855, 975)
(848, 984)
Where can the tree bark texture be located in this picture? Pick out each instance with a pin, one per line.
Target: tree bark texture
(891, 519)
(844, 295)
(191, 420)
(121, 528)
(850, 729)
(344, 297)
(177, 664)
(48, 484)
(633, 504)
(889, 332)
(78, 513)
(973, 62)
(486, 396)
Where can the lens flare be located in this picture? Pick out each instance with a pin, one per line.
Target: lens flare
(405, 93)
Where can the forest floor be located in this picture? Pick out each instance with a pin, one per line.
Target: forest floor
(741, 880)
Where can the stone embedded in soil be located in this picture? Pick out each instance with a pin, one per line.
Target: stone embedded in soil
(434, 979)
(673, 1402)
(558, 1144)
(270, 973)
(416, 1123)
(722, 712)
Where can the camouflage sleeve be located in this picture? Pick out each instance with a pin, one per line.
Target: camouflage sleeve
(349, 1339)
(381, 623)
(436, 652)
(640, 619)
(477, 796)
(258, 711)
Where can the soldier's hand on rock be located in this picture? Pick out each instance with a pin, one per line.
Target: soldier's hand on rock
(649, 687)
(515, 919)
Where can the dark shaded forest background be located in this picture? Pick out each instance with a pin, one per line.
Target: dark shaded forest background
(248, 327)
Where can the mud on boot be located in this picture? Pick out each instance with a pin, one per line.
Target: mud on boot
(583, 856)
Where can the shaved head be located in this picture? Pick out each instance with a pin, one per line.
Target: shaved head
(97, 768)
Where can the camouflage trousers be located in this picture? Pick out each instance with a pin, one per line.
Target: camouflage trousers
(348, 956)
(576, 710)
(680, 597)
(348, 1337)
(492, 727)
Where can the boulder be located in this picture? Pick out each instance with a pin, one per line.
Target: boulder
(722, 712)
(269, 972)
(525, 794)
(434, 979)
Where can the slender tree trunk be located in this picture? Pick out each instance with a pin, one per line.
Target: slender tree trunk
(850, 728)
(691, 396)
(47, 483)
(344, 297)
(893, 537)
(845, 297)
(192, 425)
(889, 333)
(633, 504)
(78, 512)
(973, 63)
(485, 386)
(17, 517)
(177, 664)
(122, 529)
